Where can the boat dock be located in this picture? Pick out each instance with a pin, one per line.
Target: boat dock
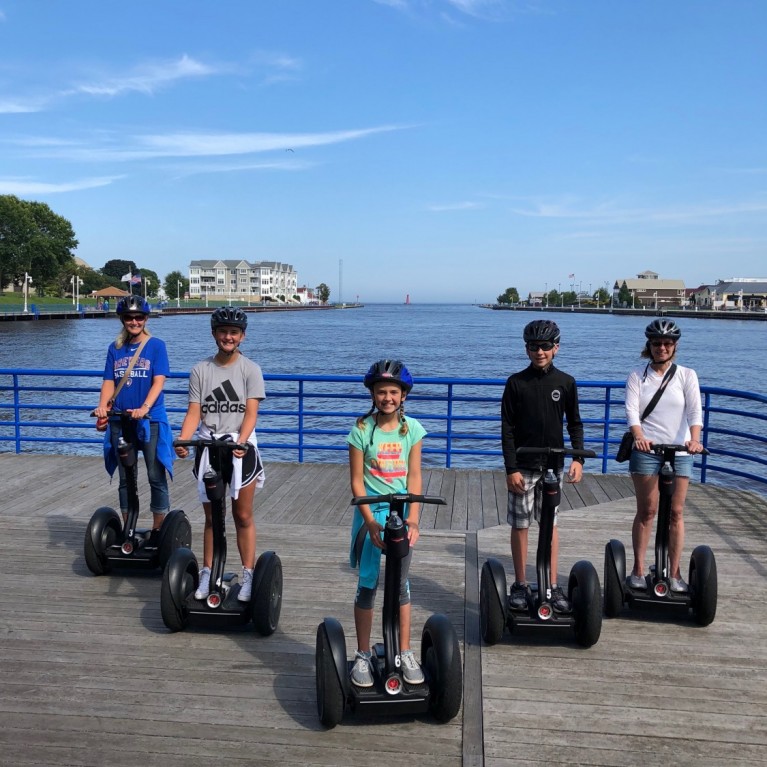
(91, 676)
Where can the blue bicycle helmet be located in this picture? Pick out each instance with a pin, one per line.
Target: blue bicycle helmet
(541, 330)
(133, 304)
(232, 316)
(389, 370)
(663, 328)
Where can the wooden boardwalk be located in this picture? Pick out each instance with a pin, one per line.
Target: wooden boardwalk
(90, 676)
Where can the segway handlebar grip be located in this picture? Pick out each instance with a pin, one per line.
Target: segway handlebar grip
(571, 451)
(401, 497)
(659, 449)
(224, 444)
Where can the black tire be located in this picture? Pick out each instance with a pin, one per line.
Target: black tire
(176, 533)
(441, 659)
(613, 600)
(103, 531)
(491, 616)
(703, 585)
(174, 613)
(266, 600)
(330, 694)
(586, 599)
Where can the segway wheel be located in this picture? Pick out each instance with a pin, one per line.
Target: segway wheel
(179, 579)
(103, 531)
(330, 693)
(615, 576)
(441, 659)
(703, 585)
(586, 599)
(266, 600)
(491, 615)
(175, 533)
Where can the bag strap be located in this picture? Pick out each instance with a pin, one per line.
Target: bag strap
(131, 365)
(658, 394)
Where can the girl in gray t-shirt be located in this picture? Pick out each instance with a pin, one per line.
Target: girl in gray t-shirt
(225, 391)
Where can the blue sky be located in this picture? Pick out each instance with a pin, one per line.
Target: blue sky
(448, 149)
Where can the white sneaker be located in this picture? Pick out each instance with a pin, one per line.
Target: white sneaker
(636, 581)
(678, 585)
(410, 668)
(204, 588)
(246, 586)
(362, 674)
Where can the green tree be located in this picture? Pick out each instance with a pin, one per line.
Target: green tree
(323, 293)
(569, 298)
(35, 240)
(116, 269)
(624, 295)
(602, 296)
(171, 284)
(154, 281)
(509, 296)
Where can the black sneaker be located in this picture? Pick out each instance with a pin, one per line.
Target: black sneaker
(559, 600)
(518, 596)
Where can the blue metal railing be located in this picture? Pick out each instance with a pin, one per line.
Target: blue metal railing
(307, 418)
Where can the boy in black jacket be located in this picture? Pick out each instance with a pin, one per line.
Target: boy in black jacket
(533, 406)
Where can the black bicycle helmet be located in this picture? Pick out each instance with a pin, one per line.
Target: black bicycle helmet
(663, 328)
(135, 304)
(389, 370)
(541, 330)
(229, 315)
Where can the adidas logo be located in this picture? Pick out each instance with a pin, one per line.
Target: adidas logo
(224, 399)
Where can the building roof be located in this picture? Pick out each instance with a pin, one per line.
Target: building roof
(110, 293)
(635, 283)
(735, 287)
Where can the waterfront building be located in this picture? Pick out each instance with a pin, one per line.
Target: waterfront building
(240, 280)
(650, 291)
(739, 293)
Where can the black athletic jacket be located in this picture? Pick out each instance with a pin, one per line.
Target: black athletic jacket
(533, 407)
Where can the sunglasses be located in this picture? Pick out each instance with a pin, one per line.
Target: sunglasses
(545, 346)
(135, 318)
(656, 344)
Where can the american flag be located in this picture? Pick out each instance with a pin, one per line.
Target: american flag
(570, 276)
(136, 279)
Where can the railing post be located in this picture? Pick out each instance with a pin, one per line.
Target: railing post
(301, 420)
(606, 429)
(706, 415)
(449, 430)
(17, 413)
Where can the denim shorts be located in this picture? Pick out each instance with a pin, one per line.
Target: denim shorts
(650, 464)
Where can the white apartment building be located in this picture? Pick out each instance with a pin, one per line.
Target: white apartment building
(242, 281)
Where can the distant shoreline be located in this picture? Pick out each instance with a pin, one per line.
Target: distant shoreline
(702, 314)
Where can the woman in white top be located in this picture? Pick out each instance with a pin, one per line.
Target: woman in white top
(677, 419)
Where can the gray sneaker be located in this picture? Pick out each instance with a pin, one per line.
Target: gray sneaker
(678, 585)
(362, 673)
(204, 588)
(636, 581)
(410, 668)
(246, 586)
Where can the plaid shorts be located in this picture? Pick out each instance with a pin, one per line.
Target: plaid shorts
(523, 507)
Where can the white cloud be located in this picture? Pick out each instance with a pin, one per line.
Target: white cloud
(21, 106)
(147, 78)
(198, 145)
(447, 207)
(23, 187)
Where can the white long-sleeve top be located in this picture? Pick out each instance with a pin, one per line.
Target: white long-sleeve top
(678, 408)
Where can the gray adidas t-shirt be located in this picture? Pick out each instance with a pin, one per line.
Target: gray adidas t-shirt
(223, 390)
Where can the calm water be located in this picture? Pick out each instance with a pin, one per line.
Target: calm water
(433, 340)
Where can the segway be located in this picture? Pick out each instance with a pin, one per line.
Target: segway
(181, 577)
(440, 693)
(583, 591)
(108, 543)
(702, 582)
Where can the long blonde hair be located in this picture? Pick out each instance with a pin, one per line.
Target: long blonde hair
(122, 336)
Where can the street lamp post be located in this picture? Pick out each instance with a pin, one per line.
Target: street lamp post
(178, 294)
(546, 291)
(27, 280)
(146, 288)
(655, 298)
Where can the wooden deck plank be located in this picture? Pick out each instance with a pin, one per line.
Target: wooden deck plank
(82, 651)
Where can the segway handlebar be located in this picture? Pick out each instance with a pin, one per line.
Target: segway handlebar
(222, 444)
(398, 497)
(556, 451)
(114, 413)
(660, 449)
